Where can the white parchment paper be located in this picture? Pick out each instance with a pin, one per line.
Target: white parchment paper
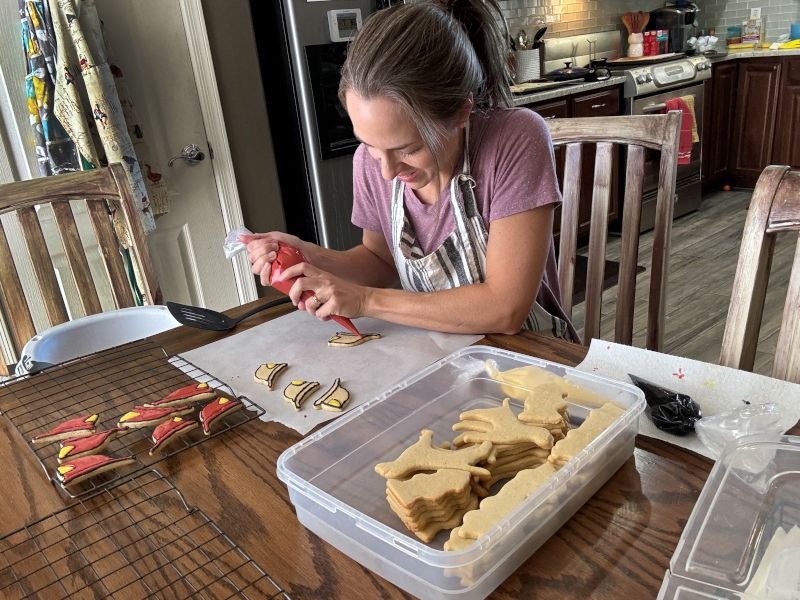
(716, 389)
(301, 341)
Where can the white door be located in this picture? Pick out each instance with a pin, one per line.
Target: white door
(148, 40)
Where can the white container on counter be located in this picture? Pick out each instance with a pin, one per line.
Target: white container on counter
(337, 494)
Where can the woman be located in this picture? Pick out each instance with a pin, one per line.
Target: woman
(454, 193)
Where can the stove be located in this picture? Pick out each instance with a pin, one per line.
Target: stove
(649, 75)
(651, 81)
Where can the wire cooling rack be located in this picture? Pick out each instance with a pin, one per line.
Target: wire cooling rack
(138, 539)
(109, 384)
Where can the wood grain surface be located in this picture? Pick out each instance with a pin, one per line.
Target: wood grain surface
(618, 545)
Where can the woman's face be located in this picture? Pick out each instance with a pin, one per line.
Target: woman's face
(392, 139)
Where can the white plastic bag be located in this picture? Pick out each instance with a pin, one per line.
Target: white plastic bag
(232, 245)
(718, 430)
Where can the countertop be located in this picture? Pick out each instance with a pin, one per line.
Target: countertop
(752, 53)
(567, 90)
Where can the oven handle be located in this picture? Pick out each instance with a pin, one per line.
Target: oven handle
(654, 108)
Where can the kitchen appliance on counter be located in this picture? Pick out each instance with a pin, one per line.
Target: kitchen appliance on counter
(301, 47)
(680, 19)
(650, 83)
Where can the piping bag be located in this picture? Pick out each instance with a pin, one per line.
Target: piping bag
(288, 256)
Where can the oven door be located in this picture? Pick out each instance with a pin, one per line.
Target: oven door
(687, 185)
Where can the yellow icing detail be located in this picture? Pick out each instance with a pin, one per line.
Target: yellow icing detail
(223, 401)
(334, 402)
(298, 382)
(270, 365)
(202, 386)
(177, 420)
(128, 416)
(65, 451)
(91, 419)
(64, 469)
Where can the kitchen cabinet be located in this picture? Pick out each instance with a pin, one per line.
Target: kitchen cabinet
(718, 114)
(755, 118)
(786, 149)
(604, 102)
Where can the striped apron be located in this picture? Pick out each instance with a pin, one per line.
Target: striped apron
(461, 259)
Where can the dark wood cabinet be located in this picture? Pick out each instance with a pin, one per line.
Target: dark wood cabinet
(604, 102)
(719, 108)
(786, 149)
(596, 104)
(755, 118)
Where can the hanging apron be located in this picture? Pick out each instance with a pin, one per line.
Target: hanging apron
(461, 258)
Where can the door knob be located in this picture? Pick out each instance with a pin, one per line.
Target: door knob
(191, 153)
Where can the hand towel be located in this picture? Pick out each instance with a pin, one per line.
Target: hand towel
(685, 140)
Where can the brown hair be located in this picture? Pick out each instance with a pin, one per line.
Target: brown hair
(430, 57)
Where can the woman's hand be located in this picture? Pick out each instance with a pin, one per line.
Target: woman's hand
(262, 249)
(331, 295)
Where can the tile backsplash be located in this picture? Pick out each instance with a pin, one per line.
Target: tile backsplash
(777, 15)
(571, 17)
(576, 17)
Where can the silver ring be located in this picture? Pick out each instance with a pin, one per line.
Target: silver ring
(316, 301)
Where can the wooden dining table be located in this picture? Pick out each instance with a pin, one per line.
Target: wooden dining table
(618, 545)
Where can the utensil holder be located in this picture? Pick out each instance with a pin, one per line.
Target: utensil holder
(529, 65)
(635, 44)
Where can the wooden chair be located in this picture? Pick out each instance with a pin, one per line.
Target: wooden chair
(93, 188)
(774, 209)
(638, 133)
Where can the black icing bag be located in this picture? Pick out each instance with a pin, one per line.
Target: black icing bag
(670, 411)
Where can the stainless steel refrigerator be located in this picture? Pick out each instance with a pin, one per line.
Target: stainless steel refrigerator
(312, 135)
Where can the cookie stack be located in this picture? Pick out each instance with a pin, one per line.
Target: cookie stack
(430, 502)
(431, 488)
(517, 445)
(576, 440)
(546, 407)
(495, 508)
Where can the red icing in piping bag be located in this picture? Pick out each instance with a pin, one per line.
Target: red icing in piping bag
(289, 256)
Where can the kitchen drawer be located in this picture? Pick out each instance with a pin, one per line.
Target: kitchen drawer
(597, 104)
(554, 109)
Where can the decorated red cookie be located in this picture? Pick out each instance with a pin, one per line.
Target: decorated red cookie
(215, 410)
(74, 428)
(169, 431)
(92, 444)
(184, 396)
(144, 416)
(86, 467)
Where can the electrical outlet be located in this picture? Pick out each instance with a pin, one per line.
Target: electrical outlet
(755, 13)
(552, 18)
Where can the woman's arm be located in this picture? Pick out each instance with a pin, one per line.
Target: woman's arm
(517, 250)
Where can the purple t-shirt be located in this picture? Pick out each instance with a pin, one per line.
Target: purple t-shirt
(511, 160)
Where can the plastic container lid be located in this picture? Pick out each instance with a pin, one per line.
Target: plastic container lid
(743, 537)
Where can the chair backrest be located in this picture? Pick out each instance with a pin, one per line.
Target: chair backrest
(638, 133)
(94, 188)
(774, 208)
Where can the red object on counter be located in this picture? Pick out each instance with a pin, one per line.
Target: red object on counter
(288, 256)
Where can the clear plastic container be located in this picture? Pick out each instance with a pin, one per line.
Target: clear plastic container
(743, 537)
(337, 494)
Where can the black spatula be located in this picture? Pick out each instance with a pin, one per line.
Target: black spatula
(204, 318)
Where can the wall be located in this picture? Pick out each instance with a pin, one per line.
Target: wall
(573, 17)
(233, 47)
(778, 14)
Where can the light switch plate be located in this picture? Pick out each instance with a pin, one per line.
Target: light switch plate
(755, 13)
